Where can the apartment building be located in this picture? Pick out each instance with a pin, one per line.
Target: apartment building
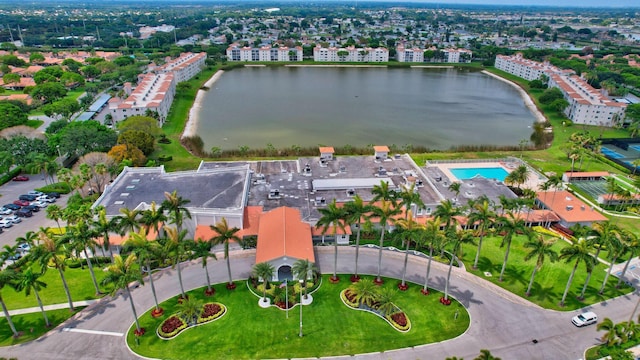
(350, 54)
(409, 54)
(446, 55)
(525, 68)
(186, 66)
(154, 92)
(265, 53)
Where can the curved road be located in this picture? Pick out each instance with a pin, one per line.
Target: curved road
(500, 321)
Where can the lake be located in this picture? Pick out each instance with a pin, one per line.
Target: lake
(310, 106)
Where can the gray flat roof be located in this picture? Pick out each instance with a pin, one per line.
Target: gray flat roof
(345, 184)
(87, 115)
(100, 102)
(206, 189)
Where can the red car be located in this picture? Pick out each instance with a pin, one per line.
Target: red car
(21, 202)
(21, 178)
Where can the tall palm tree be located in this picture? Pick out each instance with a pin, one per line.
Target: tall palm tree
(455, 188)
(265, 271)
(80, 236)
(611, 334)
(177, 245)
(332, 216)
(433, 238)
(580, 252)
(483, 215)
(510, 225)
(382, 192)
(202, 249)
(616, 249)
(486, 355)
(52, 251)
(153, 217)
(447, 212)
(30, 280)
(409, 197)
(456, 239)
(128, 220)
(384, 213)
(121, 273)
(175, 206)
(541, 249)
(54, 212)
(600, 237)
(304, 269)
(632, 242)
(145, 251)
(409, 230)
(224, 235)
(8, 277)
(104, 226)
(30, 238)
(356, 211)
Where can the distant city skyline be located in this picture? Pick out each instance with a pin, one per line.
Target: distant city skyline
(555, 3)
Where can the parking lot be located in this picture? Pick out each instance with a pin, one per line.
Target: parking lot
(9, 193)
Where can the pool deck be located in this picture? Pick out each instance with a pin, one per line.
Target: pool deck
(533, 182)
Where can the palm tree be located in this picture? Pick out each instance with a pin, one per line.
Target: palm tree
(611, 334)
(202, 249)
(456, 238)
(632, 242)
(447, 212)
(30, 238)
(434, 239)
(383, 193)
(483, 216)
(304, 269)
(153, 217)
(225, 235)
(8, 276)
(128, 220)
(385, 212)
(145, 251)
(409, 229)
(265, 271)
(365, 291)
(486, 355)
(175, 205)
(332, 216)
(81, 237)
(176, 245)
(52, 251)
(408, 197)
(356, 211)
(540, 249)
(54, 212)
(385, 298)
(580, 252)
(189, 310)
(30, 280)
(616, 249)
(600, 236)
(510, 226)
(104, 226)
(121, 273)
(455, 188)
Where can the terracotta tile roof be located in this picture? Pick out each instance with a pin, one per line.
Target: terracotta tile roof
(326, 149)
(317, 231)
(381, 148)
(282, 233)
(568, 207)
(586, 174)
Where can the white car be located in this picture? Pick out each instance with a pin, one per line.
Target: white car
(585, 319)
(13, 218)
(23, 247)
(35, 193)
(46, 199)
(39, 203)
(5, 211)
(4, 223)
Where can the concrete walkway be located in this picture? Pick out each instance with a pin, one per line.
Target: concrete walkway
(49, 307)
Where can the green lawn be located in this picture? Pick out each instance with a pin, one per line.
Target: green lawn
(330, 327)
(31, 326)
(550, 281)
(34, 123)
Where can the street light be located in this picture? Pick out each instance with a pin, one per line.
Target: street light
(301, 282)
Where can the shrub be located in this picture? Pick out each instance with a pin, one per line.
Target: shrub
(13, 173)
(165, 158)
(61, 188)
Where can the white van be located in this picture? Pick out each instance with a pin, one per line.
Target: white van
(585, 319)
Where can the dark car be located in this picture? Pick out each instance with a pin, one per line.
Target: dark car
(27, 197)
(24, 213)
(22, 203)
(32, 208)
(12, 206)
(53, 195)
(20, 178)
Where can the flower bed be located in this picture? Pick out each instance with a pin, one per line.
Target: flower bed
(175, 324)
(398, 319)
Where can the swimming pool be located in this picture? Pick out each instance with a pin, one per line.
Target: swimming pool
(497, 173)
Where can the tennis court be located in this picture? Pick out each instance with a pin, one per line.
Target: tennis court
(622, 151)
(611, 153)
(593, 188)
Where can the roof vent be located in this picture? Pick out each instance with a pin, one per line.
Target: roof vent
(569, 207)
(124, 194)
(274, 194)
(351, 192)
(119, 202)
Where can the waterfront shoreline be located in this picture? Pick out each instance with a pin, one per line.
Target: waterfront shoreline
(528, 101)
(337, 66)
(191, 126)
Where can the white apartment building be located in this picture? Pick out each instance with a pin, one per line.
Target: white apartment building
(457, 55)
(525, 68)
(184, 67)
(586, 104)
(154, 92)
(265, 53)
(350, 54)
(417, 55)
(409, 55)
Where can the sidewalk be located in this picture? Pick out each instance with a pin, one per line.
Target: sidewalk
(48, 307)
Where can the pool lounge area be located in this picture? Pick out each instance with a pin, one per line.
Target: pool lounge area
(496, 173)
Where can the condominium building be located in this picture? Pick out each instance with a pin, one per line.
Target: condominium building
(265, 53)
(350, 54)
(184, 67)
(525, 68)
(445, 55)
(409, 55)
(154, 92)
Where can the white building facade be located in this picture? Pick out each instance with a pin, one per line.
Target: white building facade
(154, 92)
(184, 67)
(265, 53)
(350, 54)
(416, 55)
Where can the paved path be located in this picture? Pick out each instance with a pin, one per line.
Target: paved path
(49, 307)
(500, 321)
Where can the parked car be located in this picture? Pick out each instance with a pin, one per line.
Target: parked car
(33, 208)
(53, 194)
(35, 193)
(23, 247)
(46, 198)
(14, 219)
(27, 197)
(11, 206)
(5, 223)
(40, 204)
(21, 178)
(22, 202)
(14, 257)
(24, 213)
(5, 211)
(585, 319)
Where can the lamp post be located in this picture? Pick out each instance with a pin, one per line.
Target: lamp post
(301, 282)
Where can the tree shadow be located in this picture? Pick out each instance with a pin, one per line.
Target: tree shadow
(543, 293)
(465, 298)
(484, 264)
(514, 275)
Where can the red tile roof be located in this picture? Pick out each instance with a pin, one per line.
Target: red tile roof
(283, 233)
(568, 207)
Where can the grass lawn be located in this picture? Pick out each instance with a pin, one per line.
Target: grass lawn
(34, 123)
(31, 326)
(550, 281)
(330, 327)
(78, 280)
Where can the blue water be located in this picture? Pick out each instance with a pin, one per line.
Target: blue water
(497, 173)
(610, 153)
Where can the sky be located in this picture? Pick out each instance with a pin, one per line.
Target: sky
(565, 3)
